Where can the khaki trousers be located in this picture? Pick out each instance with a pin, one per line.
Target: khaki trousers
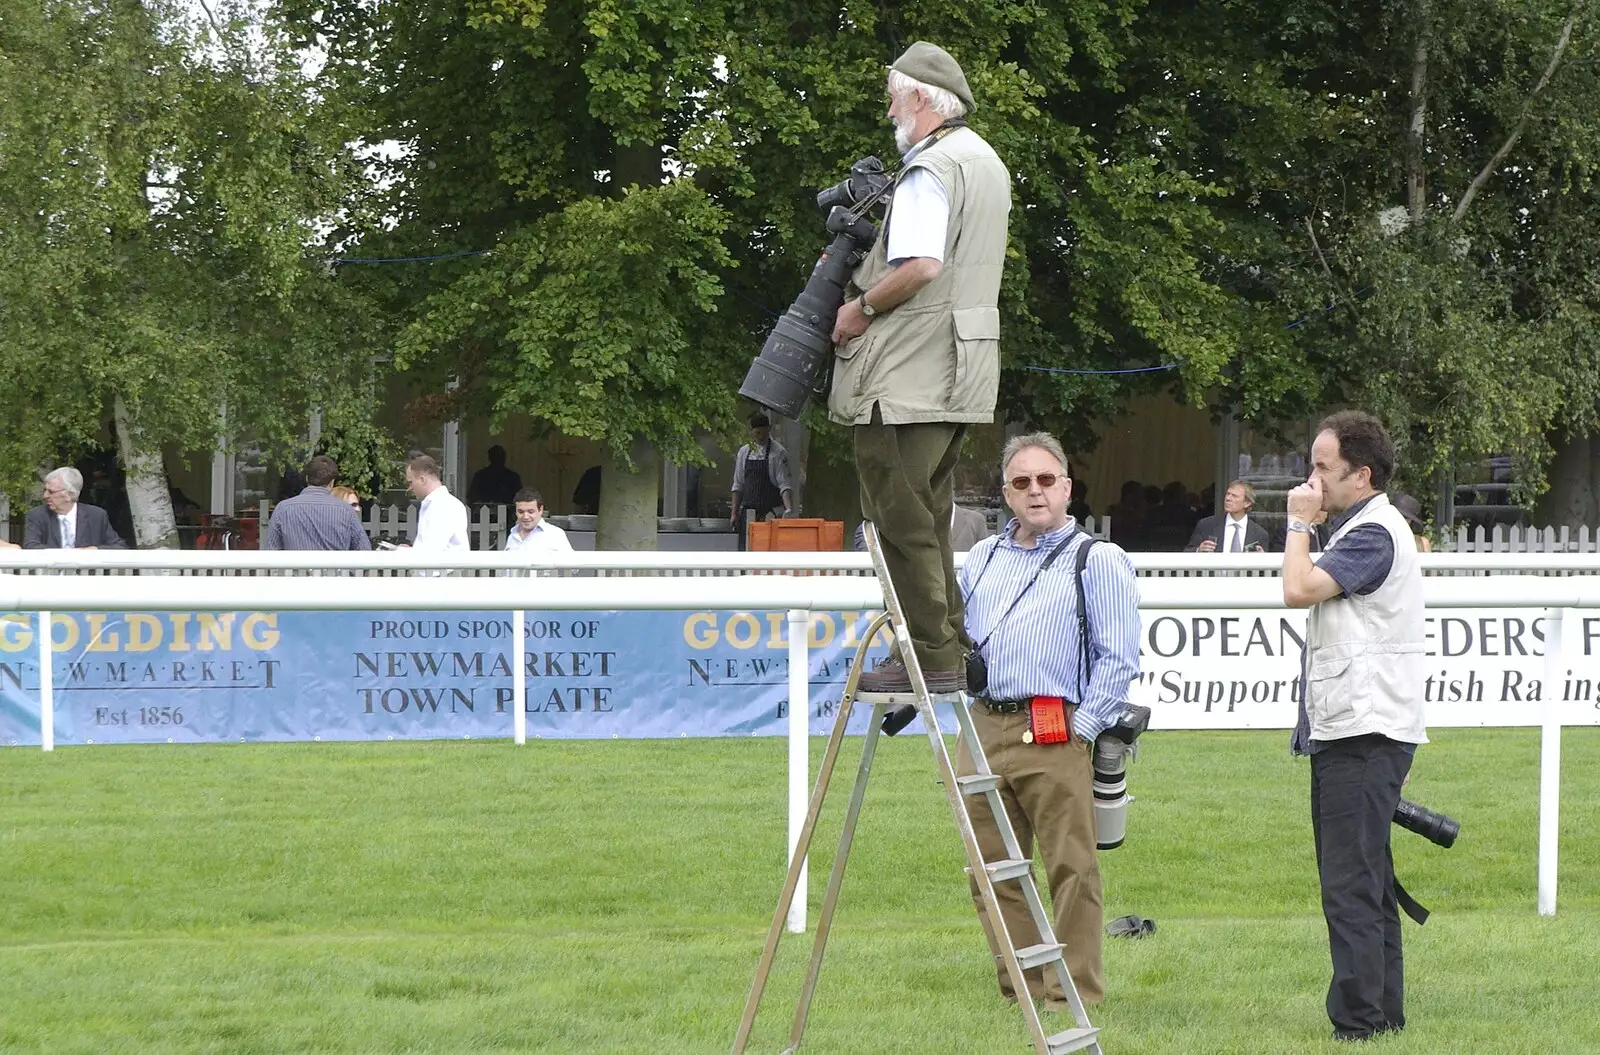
(1047, 796)
(906, 474)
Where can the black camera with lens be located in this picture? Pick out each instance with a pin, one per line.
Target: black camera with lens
(794, 360)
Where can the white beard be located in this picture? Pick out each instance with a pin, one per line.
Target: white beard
(902, 135)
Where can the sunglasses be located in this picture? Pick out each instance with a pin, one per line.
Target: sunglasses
(1046, 481)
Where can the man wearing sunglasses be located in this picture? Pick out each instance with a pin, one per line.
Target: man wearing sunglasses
(917, 349)
(1052, 684)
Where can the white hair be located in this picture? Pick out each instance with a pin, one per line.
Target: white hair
(941, 101)
(70, 479)
(1042, 440)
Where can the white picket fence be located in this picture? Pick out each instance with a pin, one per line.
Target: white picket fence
(1514, 539)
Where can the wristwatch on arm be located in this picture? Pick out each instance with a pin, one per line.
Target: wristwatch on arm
(866, 308)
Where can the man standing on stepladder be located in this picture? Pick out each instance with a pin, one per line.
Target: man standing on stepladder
(917, 350)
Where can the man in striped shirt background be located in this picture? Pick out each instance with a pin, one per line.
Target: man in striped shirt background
(1022, 615)
(315, 519)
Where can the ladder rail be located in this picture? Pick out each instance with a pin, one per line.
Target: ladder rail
(830, 900)
(791, 884)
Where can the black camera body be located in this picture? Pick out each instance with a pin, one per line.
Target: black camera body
(794, 361)
(977, 674)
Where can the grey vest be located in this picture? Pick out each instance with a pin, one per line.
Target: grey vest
(936, 357)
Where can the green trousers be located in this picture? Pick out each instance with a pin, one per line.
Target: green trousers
(906, 474)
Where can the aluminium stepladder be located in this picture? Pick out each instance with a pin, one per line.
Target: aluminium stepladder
(1046, 952)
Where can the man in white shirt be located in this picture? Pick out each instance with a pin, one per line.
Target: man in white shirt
(533, 534)
(442, 520)
(1234, 531)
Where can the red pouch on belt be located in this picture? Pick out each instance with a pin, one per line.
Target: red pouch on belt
(1047, 716)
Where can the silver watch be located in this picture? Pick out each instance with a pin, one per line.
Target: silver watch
(867, 309)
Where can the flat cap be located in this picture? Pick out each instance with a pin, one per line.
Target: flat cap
(931, 64)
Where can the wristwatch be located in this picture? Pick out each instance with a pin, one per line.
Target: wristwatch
(1298, 525)
(867, 309)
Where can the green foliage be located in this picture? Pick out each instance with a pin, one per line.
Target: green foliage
(158, 211)
(1460, 333)
(597, 320)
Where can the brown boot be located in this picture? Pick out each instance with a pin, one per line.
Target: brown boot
(892, 676)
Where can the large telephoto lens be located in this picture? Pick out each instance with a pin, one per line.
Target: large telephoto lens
(1434, 827)
(1110, 784)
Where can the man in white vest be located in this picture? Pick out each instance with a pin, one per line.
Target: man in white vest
(1361, 707)
(917, 350)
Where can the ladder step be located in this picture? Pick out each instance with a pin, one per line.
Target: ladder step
(897, 699)
(1003, 870)
(978, 785)
(1039, 955)
(1072, 1040)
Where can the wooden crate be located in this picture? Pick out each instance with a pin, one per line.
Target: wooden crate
(798, 535)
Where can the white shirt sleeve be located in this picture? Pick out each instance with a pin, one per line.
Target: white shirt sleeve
(919, 218)
(441, 523)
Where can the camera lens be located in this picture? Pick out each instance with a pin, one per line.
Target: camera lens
(1434, 827)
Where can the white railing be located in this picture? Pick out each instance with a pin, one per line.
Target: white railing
(744, 582)
(614, 563)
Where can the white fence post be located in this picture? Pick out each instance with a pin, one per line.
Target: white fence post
(519, 678)
(799, 750)
(1555, 641)
(47, 684)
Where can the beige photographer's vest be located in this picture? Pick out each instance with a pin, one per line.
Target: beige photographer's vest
(936, 357)
(1364, 671)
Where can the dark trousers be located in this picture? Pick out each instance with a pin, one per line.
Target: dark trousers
(906, 475)
(1355, 785)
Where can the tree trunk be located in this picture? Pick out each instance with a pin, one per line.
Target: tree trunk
(1573, 498)
(149, 500)
(796, 439)
(628, 501)
(1416, 133)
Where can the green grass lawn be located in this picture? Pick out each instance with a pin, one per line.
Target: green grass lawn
(612, 896)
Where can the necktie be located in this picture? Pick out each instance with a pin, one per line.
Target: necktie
(68, 534)
(1237, 545)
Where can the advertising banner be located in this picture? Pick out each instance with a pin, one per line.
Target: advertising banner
(213, 677)
(210, 677)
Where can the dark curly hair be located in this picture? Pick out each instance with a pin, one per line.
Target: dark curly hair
(1363, 441)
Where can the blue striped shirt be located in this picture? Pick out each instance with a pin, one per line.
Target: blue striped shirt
(314, 519)
(1035, 651)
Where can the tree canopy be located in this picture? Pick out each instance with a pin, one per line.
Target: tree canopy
(162, 177)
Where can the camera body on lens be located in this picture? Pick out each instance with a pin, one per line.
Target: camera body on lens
(794, 360)
(1112, 749)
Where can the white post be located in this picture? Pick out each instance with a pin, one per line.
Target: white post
(47, 686)
(519, 678)
(799, 750)
(1550, 758)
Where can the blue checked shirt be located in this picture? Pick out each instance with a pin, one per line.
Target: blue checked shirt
(314, 519)
(1035, 651)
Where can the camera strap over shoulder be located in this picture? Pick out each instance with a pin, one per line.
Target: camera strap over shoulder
(933, 137)
(1086, 655)
(1049, 560)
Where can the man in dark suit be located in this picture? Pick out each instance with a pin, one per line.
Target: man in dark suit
(65, 523)
(1233, 531)
(967, 528)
